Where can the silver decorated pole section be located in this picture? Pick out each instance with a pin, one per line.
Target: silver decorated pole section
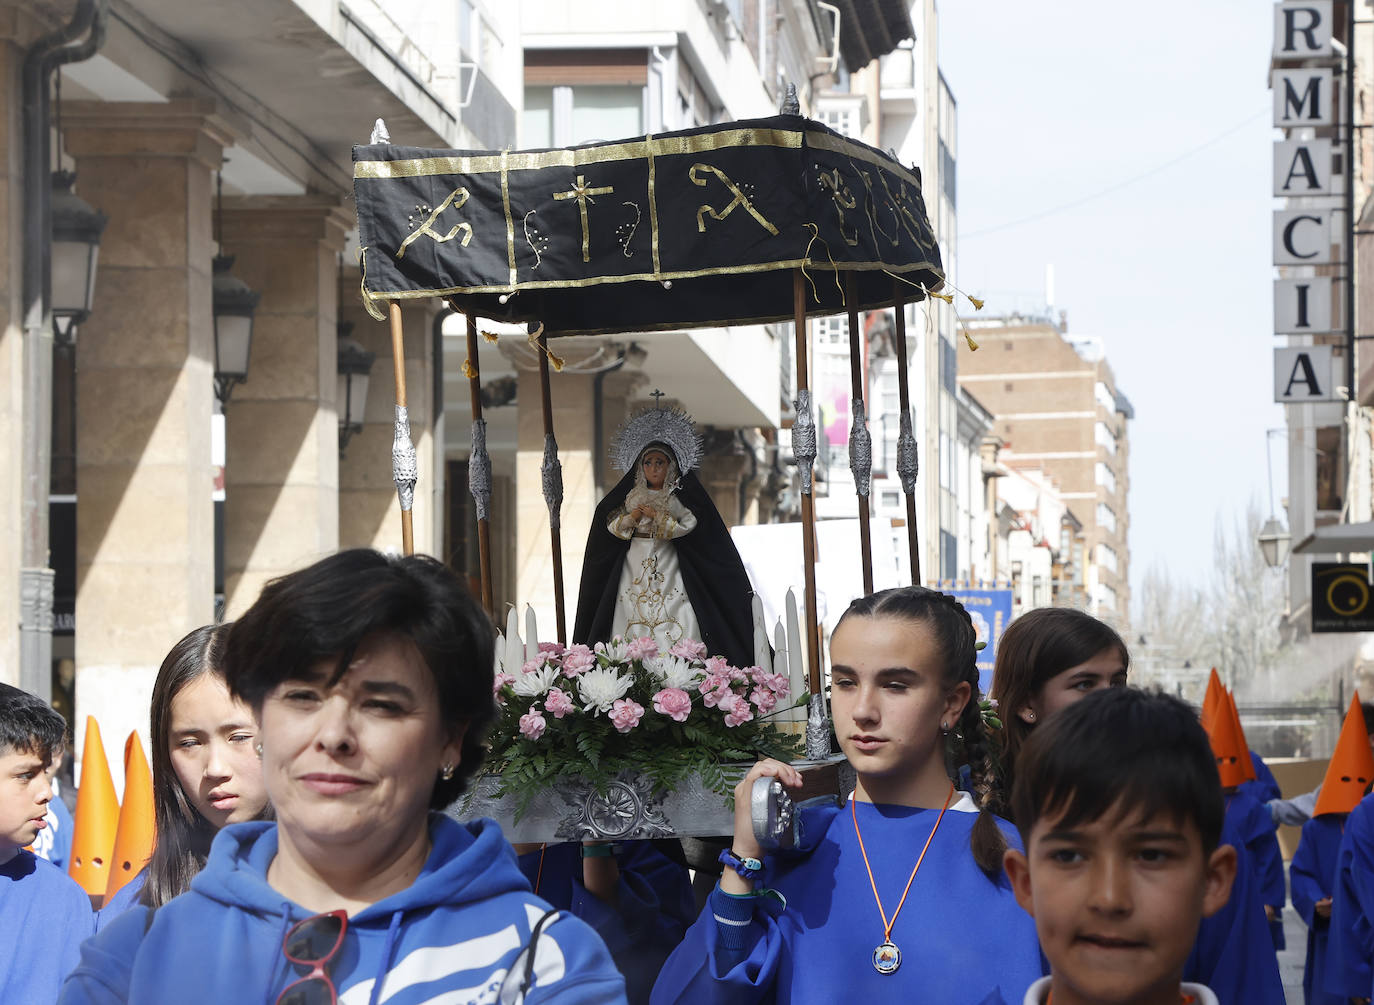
(404, 470)
(860, 442)
(907, 461)
(804, 449)
(479, 468)
(551, 471)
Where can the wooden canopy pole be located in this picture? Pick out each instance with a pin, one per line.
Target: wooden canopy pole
(804, 449)
(403, 467)
(479, 469)
(907, 460)
(552, 471)
(860, 442)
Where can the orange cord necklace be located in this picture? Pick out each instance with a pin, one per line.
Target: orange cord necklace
(887, 957)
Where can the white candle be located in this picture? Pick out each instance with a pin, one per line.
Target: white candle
(531, 635)
(514, 651)
(780, 648)
(795, 672)
(760, 635)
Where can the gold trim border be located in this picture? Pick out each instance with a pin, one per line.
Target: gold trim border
(558, 284)
(648, 147)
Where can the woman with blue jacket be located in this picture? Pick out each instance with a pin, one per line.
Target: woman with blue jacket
(371, 681)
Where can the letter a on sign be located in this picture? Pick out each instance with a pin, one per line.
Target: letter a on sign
(1304, 374)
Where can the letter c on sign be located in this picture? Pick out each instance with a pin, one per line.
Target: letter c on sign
(1288, 236)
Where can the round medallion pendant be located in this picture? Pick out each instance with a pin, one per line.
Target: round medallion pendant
(887, 958)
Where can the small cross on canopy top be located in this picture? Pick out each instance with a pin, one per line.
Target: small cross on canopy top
(656, 394)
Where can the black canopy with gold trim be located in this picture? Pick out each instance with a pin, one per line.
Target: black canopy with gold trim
(701, 227)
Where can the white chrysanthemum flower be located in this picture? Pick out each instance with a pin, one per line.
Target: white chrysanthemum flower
(601, 687)
(673, 671)
(536, 683)
(617, 650)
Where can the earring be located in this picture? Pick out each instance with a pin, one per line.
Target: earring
(1030, 716)
(447, 773)
(944, 727)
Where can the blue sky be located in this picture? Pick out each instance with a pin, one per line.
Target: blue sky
(1142, 134)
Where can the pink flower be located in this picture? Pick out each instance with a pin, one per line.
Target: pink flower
(689, 649)
(558, 703)
(763, 698)
(726, 702)
(714, 682)
(532, 666)
(556, 648)
(532, 724)
(626, 714)
(777, 683)
(500, 681)
(641, 648)
(674, 702)
(718, 665)
(721, 696)
(739, 714)
(578, 660)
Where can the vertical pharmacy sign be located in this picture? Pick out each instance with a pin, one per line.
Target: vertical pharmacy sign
(1308, 229)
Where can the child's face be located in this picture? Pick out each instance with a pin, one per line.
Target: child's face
(24, 795)
(1106, 669)
(888, 696)
(1117, 902)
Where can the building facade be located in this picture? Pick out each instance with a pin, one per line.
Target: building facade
(1059, 411)
(131, 497)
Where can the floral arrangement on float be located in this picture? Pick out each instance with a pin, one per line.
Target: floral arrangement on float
(624, 714)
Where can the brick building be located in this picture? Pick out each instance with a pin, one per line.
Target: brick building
(1058, 410)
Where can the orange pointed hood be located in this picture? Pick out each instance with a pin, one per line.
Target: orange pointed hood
(1228, 746)
(1247, 764)
(133, 844)
(1351, 768)
(97, 817)
(1211, 700)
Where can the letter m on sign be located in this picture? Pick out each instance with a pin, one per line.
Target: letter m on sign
(1302, 98)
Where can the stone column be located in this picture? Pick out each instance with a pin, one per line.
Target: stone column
(281, 465)
(369, 511)
(13, 403)
(144, 400)
(571, 396)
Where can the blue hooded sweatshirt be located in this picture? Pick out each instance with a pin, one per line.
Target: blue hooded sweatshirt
(458, 933)
(44, 916)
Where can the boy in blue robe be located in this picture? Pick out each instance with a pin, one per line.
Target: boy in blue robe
(1350, 939)
(1119, 805)
(1316, 862)
(43, 913)
(638, 900)
(1234, 952)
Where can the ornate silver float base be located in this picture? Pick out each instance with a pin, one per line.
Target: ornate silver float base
(629, 810)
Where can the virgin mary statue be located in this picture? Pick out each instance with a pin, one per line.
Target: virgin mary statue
(660, 561)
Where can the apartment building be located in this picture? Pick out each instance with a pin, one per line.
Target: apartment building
(1059, 411)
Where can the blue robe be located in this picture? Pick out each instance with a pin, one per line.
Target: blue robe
(654, 905)
(962, 935)
(1234, 953)
(1265, 786)
(1312, 876)
(1255, 826)
(1350, 938)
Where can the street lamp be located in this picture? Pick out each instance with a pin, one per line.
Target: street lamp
(1273, 542)
(76, 230)
(355, 368)
(234, 303)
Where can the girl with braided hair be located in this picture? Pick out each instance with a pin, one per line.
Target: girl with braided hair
(898, 894)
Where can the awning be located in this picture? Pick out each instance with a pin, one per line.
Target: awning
(1336, 539)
